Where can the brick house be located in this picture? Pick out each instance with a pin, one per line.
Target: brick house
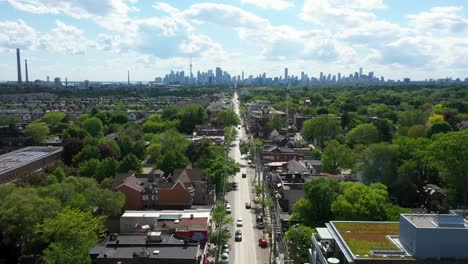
(195, 179)
(153, 191)
(279, 154)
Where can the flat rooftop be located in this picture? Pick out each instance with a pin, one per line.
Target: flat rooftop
(436, 221)
(368, 240)
(21, 157)
(136, 246)
(164, 214)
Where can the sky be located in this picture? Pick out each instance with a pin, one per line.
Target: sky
(101, 40)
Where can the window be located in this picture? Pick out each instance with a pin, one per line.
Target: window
(145, 197)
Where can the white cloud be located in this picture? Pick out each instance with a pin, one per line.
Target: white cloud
(66, 39)
(16, 34)
(226, 15)
(445, 19)
(270, 4)
(110, 14)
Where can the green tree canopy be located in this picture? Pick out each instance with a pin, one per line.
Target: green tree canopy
(450, 152)
(439, 127)
(275, 122)
(38, 132)
(321, 129)
(314, 208)
(53, 117)
(363, 134)
(379, 163)
(172, 160)
(337, 156)
(300, 238)
(227, 118)
(130, 163)
(71, 234)
(190, 116)
(93, 126)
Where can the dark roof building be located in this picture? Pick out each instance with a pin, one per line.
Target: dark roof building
(23, 161)
(150, 248)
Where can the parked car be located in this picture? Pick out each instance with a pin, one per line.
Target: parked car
(260, 225)
(228, 208)
(225, 248)
(239, 222)
(225, 258)
(238, 236)
(248, 205)
(259, 218)
(263, 242)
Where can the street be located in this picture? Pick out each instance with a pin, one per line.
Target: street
(247, 250)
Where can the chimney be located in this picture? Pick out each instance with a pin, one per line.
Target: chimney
(26, 70)
(66, 82)
(128, 77)
(18, 62)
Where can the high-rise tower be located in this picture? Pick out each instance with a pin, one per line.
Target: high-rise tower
(18, 62)
(191, 74)
(26, 70)
(128, 77)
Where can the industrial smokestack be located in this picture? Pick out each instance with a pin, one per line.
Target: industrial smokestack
(128, 77)
(26, 70)
(18, 61)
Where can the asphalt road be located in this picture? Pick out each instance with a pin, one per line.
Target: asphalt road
(246, 251)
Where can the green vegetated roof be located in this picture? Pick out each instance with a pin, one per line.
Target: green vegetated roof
(361, 238)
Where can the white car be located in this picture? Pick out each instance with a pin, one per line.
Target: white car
(239, 222)
(228, 208)
(225, 258)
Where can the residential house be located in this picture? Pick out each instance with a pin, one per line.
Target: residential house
(197, 180)
(279, 154)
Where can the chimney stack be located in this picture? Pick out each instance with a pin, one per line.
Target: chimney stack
(18, 62)
(128, 77)
(26, 70)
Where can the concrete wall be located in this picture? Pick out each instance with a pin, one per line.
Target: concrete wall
(434, 243)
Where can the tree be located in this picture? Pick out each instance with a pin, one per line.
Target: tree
(359, 202)
(87, 153)
(314, 209)
(172, 160)
(38, 132)
(71, 234)
(219, 171)
(363, 134)
(227, 118)
(88, 168)
(119, 118)
(93, 126)
(275, 122)
(321, 129)
(378, 163)
(71, 147)
(21, 210)
(74, 132)
(107, 168)
(190, 116)
(385, 128)
(449, 152)
(130, 163)
(299, 238)
(439, 127)
(337, 156)
(417, 131)
(53, 118)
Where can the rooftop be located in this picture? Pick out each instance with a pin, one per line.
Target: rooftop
(436, 221)
(361, 238)
(21, 157)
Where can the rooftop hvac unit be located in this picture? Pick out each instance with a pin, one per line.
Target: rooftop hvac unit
(154, 237)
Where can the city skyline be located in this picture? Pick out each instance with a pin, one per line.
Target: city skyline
(102, 41)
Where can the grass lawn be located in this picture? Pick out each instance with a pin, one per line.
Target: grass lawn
(361, 238)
